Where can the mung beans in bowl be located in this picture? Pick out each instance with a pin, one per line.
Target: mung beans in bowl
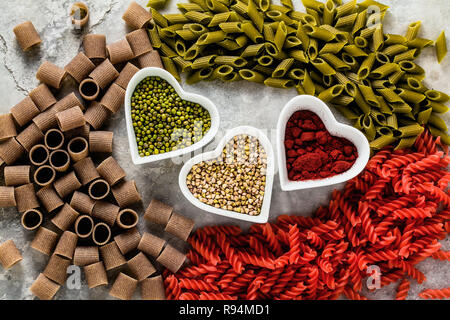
(164, 121)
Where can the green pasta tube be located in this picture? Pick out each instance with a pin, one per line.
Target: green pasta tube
(291, 42)
(341, 36)
(222, 71)
(169, 32)
(410, 96)
(332, 48)
(180, 47)
(175, 18)
(229, 45)
(396, 77)
(264, 70)
(413, 30)
(263, 5)
(346, 112)
(185, 7)
(304, 38)
(361, 42)
(384, 70)
(411, 67)
(268, 32)
(313, 4)
(437, 96)
(170, 66)
(313, 49)
(196, 28)
(282, 68)
(287, 3)
(296, 15)
(378, 117)
(253, 50)
(359, 99)
(193, 51)
(401, 107)
(219, 18)
(368, 127)
(186, 34)
(265, 60)
(335, 62)
(366, 66)
(369, 95)
(199, 75)
(354, 51)
(280, 36)
(410, 131)
(381, 142)
(390, 39)
(159, 19)
(390, 95)
(382, 58)
(216, 6)
(360, 22)
(256, 16)
(331, 93)
(383, 106)
(441, 47)
(308, 84)
(348, 59)
(313, 13)
(346, 21)
(439, 133)
(343, 100)
(391, 121)
(274, 52)
(329, 12)
(234, 61)
(438, 107)
(240, 7)
(251, 32)
(200, 3)
(420, 43)
(378, 38)
(382, 84)
(424, 116)
(279, 83)
(437, 122)
(167, 51)
(211, 37)
(341, 78)
(296, 74)
(367, 32)
(299, 55)
(407, 55)
(231, 27)
(251, 75)
(154, 36)
(204, 62)
(405, 143)
(241, 41)
(184, 65)
(346, 9)
(199, 17)
(323, 67)
(319, 33)
(395, 49)
(233, 76)
(416, 85)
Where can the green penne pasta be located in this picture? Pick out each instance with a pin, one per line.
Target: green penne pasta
(360, 22)
(196, 28)
(384, 71)
(159, 4)
(420, 43)
(354, 77)
(308, 84)
(287, 3)
(267, 71)
(332, 48)
(382, 58)
(236, 17)
(369, 95)
(410, 131)
(378, 117)
(256, 16)
(321, 65)
(219, 18)
(346, 112)
(328, 12)
(385, 131)
(299, 55)
(346, 21)
(296, 74)
(407, 55)
(280, 36)
(395, 49)
(291, 42)
(251, 32)
(180, 47)
(279, 83)
(159, 19)
(341, 78)
(231, 27)
(286, 10)
(176, 18)
(204, 62)
(268, 32)
(253, 50)
(413, 30)
(200, 3)
(346, 9)
(199, 75)
(211, 37)
(383, 106)
(263, 5)
(424, 116)
(378, 38)
(319, 33)
(234, 61)
(341, 36)
(222, 71)
(441, 47)
(233, 76)
(153, 35)
(265, 60)
(313, 4)
(313, 49)
(331, 93)
(391, 121)
(367, 32)
(396, 77)
(228, 44)
(184, 65)
(350, 60)
(170, 31)
(368, 127)
(437, 122)
(390, 95)
(410, 96)
(439, 133)
(354, 51)
(343, 100)
(359, 99)
(313, 13)
(166, 51)
(240, 7)
(282, 68)
(274, 52)
(437, 96)
(216, 6)
(170, 66)
(193, 52)
(276, 15)
(185, 7)
(241, 41)
(405, 143)
(400, 107)
(199, 17)
(361, 42)
(335, 62)
(391, 39)
(366, 66)
(186, 34)
(317, 77)
(438, 107)
(369, 3)
(381, 142)
(304, 38)
(251, 75)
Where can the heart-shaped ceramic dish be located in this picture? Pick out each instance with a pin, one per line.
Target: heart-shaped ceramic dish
(306, 102)
(201, 100)
(265, 143)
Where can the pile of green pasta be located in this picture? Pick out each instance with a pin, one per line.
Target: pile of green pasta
(335, 51)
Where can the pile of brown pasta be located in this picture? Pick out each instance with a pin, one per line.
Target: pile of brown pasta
(336, 51)
(59, 174)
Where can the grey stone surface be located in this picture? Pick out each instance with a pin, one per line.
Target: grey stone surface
(238, 104)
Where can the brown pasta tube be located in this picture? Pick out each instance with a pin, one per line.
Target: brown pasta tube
(49, 198)
(9, 254)
(7, 197)
(17, 175)
(119, 51)
(66, 245)
(59, 160)
(136, 16)
(7, 127)
(65, 218)
(123, 288)
(26, 35)
(139, 42)
(44, 175)
(126, 193)
(42, 97)
(85, 170)
(106, 212)
(51, 74)
(82, 131)
(158, 212)
(96, 275)
(95, 46)
(84, 225)
(69, 101)
(101, 141)
(30, 136)
(39, 155)
(96, 115)
(99, 189)
(54, 139)
(126, 74)
(104, 74)
(128, 240)
(24, 111)
(113, 98)
(46, 120)
(111, 256)
(79, 14)
(44, 241)
(84, 256)
(153, 289)
(171, 258)
(111, 171)
(70, 119)
(26, 197)
(180, 226)
(150, 59)
(78, 149)
(89, 89)
(101, 234)
(151, 245)
(44, 288)
(141, 267)
(79, 67)
(31, 219)
(127, 219)
(82, 203)
(11, 151)
(67, 184)
(56, 269)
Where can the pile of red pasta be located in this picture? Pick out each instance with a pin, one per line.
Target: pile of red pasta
(391, 216)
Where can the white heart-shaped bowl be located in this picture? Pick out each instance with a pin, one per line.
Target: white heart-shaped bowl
(196, 98)
(311, 103)
(265, 143)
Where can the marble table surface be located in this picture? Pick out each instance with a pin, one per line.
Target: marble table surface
(238, 104)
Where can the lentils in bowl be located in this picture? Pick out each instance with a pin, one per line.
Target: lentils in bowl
(162, 121)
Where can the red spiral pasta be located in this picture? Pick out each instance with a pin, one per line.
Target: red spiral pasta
(402, 290)
(435, 293)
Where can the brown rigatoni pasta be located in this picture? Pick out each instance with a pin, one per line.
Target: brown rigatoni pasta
(84, 256)
(49, 198)
(171, 258)
(124, 286)
(54, 139)
(46, 120)
(69, 101)
(31, 219)
(9, 254)
(127, 219)
(99, 189)
(106, 212)
(101, 234)
(150, 59)
(111, 256)
(180, 226)
(85, 170)
(82, 203)
(104, 74)
(44, 175)
(96, 115)
(153, 289)
(25, 111)
(113, 98)
(136, 16)
(59, 160)
(111, 171)
(95, 275)
(126, 74)
(7, 197)
(30, 136)
(119, 51)
(17, 175)
(78, 148)
(126, 193)
(139, 42)
(56, 269)
(7, 127)
(158, 212)
(26, 197)
(101, 141)
(70, 119)
(141, 267)
(26, 35)
(79, 14)
(128, 241)
(82, 131)
(66, 245)
(95, 46)
(51, 74)
(44, 241)
(11, 151)
(67, 184)
(151, 245)
(79, 67)
(44, 288)
(39, 155)
(42, 97)
(84, 225)
(89, 89)
(65, 218)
